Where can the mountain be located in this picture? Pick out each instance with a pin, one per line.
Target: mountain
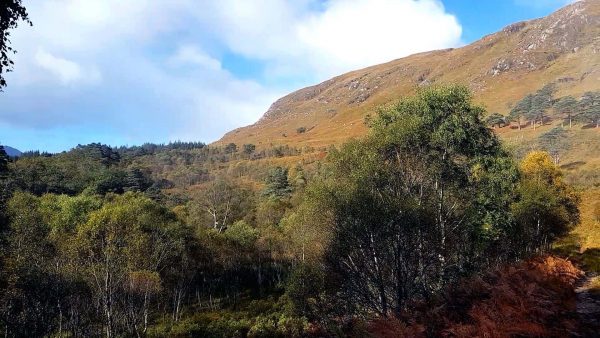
(12, 152)
(500, 68)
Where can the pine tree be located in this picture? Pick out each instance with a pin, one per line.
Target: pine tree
(541, 102)
(277, 184)
(495, 120)
(567, 106)
(590, 108)
(521, 109)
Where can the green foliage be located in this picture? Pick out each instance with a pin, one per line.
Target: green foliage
(177, 239)
(304, 288)
(422, 201)
(521, 109)
(242, 234)
(567, 107)
(495, 120)
(546, 207)
(277, 184)
(3, 162)
(534, 106)
(590, 108)
(230, 148)
(11, 12)
(249, 148)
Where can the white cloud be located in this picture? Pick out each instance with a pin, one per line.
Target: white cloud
(190, 54)
(66, 71)
(339, 36)
(359, 33)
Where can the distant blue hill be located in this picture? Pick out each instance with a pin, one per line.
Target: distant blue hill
(12, 152)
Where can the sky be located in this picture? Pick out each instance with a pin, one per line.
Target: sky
(126, 72)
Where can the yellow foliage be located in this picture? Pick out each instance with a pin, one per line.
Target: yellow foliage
(539, 165)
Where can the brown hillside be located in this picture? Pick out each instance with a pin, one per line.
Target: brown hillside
(501, 68)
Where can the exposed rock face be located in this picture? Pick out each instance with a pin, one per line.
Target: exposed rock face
(563, 47)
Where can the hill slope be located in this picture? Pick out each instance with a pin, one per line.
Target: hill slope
(501, 68)
(12, 152)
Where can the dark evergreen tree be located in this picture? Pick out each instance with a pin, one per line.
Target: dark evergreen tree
(230, 148)
(277, 184)
(540, 103)
(590, 108)
(495, 120)
(521, 110)
(566, 107)
(137, 181)
(4, 159)
(249, 148)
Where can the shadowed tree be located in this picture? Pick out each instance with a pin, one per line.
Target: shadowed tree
(495, 120)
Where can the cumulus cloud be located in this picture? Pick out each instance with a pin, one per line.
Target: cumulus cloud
(333, 36)
(66, 71)
(190, 54)
(351, 34)
(150, 70)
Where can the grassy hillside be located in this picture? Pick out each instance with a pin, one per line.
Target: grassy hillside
(500, 69)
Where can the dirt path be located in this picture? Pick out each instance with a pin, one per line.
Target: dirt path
(588, 305)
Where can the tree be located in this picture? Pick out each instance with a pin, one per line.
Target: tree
(121, 248)
(29, 299)
(249, 148)
(567, 107)
(590, 108)
(413, 206)
(546, 207)
(541, 102)
(3, 162)
(521, 109)
(222, 199)
(230, 148)
(5, 189)
(11, 12)
(277, 184)
(137, 180)
(495, 120)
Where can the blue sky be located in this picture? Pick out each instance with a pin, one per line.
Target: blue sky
(134, 71)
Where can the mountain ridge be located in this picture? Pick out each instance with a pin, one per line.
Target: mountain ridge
(12, 152)
(500, 69)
